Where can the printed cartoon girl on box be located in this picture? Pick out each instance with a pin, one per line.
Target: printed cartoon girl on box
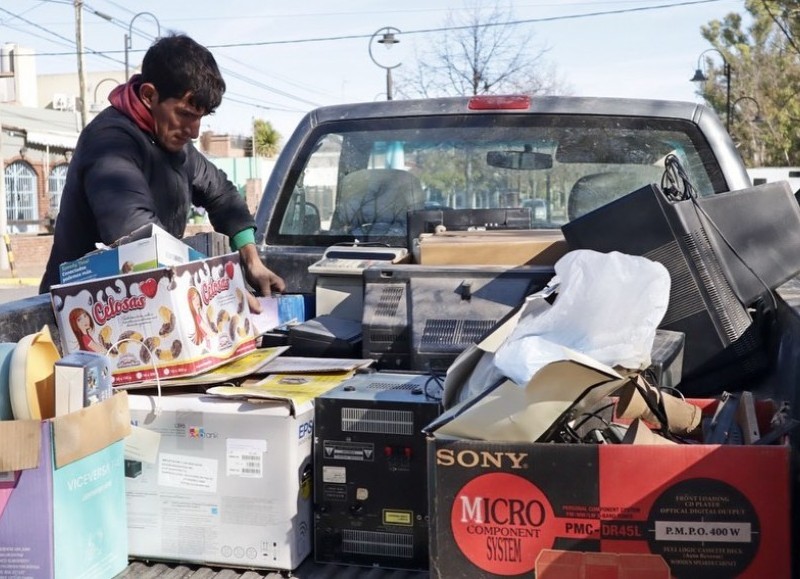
(82, 326)
(202, 330)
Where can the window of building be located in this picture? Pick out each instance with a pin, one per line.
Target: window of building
(21, 207)
(55, 186)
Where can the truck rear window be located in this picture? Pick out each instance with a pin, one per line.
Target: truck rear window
(361, 178)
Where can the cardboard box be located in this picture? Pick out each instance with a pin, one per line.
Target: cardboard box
(148, 247)
(179, 320)
(231, 484)
(498, 500)
(81, 379)
(707, 510)
(209, 243)
(525, 247)
(62, 494)
(554, 564)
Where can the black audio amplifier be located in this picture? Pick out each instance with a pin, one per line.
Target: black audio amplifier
(370, 470)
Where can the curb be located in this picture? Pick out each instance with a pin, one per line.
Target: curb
(19, 281)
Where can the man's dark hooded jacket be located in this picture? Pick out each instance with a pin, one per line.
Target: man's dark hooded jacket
(120, 179)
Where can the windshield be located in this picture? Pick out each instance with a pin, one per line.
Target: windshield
(362, 178)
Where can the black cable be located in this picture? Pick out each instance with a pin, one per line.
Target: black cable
(677, 186)
(438, 380)
(675, 183)
(594, 414)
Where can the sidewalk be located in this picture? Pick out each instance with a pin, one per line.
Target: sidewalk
(21, 276)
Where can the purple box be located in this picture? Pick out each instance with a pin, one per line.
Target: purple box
(62, 494)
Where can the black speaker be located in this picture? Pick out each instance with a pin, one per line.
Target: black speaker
(725, 345)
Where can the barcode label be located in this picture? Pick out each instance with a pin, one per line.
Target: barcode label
(246, 459)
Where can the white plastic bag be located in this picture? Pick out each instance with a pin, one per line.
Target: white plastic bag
(608, 307)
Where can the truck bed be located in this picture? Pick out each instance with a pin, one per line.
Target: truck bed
(307, 570)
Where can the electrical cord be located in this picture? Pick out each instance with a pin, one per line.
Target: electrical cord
(439, 382)
(675, 183)
(677, 186)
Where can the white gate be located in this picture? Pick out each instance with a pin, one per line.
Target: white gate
(55, 185)
(22, 211)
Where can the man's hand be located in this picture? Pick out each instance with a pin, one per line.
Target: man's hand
(261, 278)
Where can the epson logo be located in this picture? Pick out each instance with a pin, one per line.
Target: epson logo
(481, 458)
(306, 429)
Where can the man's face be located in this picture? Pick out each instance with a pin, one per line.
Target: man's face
(176, 121)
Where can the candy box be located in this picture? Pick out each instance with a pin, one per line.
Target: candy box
(177, 321)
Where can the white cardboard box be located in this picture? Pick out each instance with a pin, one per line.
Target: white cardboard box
(146, 248)
(231, 484)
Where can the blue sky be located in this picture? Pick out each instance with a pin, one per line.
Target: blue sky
(281, 60)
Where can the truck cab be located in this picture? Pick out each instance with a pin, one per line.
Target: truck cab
(353, 173)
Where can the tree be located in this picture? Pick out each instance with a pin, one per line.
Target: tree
(480, 52)
(267, 138)
(765, 80)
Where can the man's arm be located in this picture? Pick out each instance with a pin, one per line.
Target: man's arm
(212, 190)
(259, 276)
(229, 214)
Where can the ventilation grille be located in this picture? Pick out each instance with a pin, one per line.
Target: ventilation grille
(377, 421)
(383, 386)
(389, 301)
(684, 295)
(383, 336)
(734, 320)
(380, 544)
(453, 335)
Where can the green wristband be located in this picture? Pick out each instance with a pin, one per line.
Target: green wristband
(244, 237)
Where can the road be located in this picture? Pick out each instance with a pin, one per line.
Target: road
(10, 291)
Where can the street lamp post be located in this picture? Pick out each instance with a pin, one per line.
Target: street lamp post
(388, 39)
(129, 36)
(95, 106)
(757, 118)
(754, 151)
(699, 76)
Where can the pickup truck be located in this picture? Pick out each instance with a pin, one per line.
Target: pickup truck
(351, 173)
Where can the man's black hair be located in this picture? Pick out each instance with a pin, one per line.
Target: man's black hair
(177, 65)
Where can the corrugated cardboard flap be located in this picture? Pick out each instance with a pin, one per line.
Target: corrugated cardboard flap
(19, 444)
(91, 429)
(505, 247)
(511, 413)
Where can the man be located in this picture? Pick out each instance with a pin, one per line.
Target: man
(135, 164)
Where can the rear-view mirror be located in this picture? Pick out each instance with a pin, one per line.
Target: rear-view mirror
(524, 160)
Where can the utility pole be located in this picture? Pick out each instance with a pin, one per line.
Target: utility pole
(81, 70)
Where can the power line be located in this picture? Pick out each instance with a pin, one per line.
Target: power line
(69, 41)
(106, 54)
(448, 28)
(473, 26)
(231, 97)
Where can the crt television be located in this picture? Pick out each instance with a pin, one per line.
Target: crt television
(724, 253)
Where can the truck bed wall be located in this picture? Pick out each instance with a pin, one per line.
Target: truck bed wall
(26, 316)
